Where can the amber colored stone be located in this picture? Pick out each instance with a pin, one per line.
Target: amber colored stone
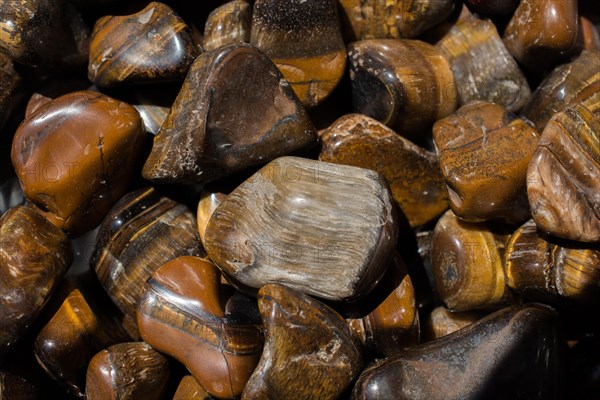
(44, 33)
(227, 122)
(35, 102)
(227, 24)
(320, 228)
(483, 68)
(406, 84)
(541, 34)
(545, 268)
(563, 179)
(186, 312)
(206, 206)
(141, 232)
(412, 172)
(591, 35)
(304, 39)
(10, 86)
(561, 86)
(311, 340)
(162, 48)
(127, 371)
(76, 181)
(467, 265)
(484, 152)
(442, 322)
(492, 7)
(379, 19)
(513, 353)
(78, 330)
(34, 256)
(189, 389)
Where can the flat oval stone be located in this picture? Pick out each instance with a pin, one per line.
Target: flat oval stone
(34, 256)
(320, 228)
(162, 48)
(227, 121)
(227, 24)
(304, 40)
(311, 340)
(186, 312)
(76, 156)
(412, 172)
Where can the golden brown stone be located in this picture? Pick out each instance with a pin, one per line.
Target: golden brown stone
(189, 389)
(206, 206)
(442, 322)
(227, 24)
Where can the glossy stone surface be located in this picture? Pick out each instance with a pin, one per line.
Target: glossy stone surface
(512, 353)
(379, 19)
(563, 179)
(34, 256)
(127, 371)
(10, 85)
(484, 151)
(542, 34)
(492, 7)
(483, 68)
(302, 222)
(186, 312)
(76, 181)
(467, 265)
(591, 35)
(561, 86)
(189, 389)
(163, 48)
(311, 340)
(441, 322)
(412, 172)
(142, 231)
(227, 24)
(406, 84)
(545, 268)
(226, 121)
(303, 38)
(206, 207)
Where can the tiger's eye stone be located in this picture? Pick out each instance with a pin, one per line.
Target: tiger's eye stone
(513, 353)
(44, 33)
(186, 312)
(10, 86)
(483, 68)
(542, 34)
(311, 340)
(127, 371)
(563, 179)
(189, 389)
(302, 222)
(77, 331)
(304, 40)
(141, 232)
(492, 7)
(412, 173)
(226, 121)
(206, 207)
(162, 48)
(34, 256)
(442, 322)
(75, 157)
(227, 24)
(467, 265)
(545, 269)
(379, 19)
(484, 152)
(591, 35)
(561, 86)
(406, 84)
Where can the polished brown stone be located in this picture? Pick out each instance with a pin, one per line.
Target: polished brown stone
(75, 157)
(189, 389)
(320, 228)
(442, 322)
(484, 151)
(227, 122)
(309, 352)
(303, 38)
(209, 201)
(412, 172)
(127, 371)
(34, 256)
(563, 179)
(483, 68)
(186, 312)
(513, 353)
(591, 35)
(542, 34)
(406, 84)
(228, 24)
(142, 231)
(162, 48)
(467, 265)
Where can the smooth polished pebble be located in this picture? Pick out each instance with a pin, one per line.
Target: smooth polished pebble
(441, 322)
(309, 352)
(591, 35)
(189, 389)
(301, 222)
(209, 201)
(227, 24)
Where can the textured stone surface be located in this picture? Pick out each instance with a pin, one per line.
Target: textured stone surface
(227, 24)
